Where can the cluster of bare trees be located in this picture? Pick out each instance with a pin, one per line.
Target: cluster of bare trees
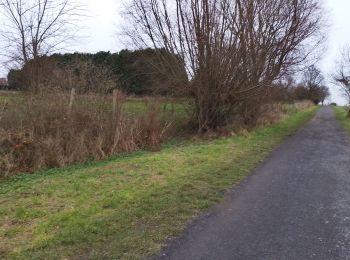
(309, 85)
(233, 50)
(314, 84)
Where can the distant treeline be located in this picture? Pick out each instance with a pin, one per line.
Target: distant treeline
(134, 72)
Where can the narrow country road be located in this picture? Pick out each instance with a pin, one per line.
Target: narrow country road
(296, 205)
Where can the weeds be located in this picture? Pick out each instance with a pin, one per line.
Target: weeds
(51, 130)
(44, 131)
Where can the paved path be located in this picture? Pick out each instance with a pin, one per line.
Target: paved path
(294, 206)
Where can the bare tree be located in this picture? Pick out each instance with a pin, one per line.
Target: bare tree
(313, 77)
(342, 75)
(313, 82)
(324, 94)
(311, 87)
(33, 28)
(232, 49)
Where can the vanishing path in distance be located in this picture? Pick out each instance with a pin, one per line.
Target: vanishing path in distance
(296, 205)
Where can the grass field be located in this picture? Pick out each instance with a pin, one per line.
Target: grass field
(341, 114)
(8, 96)
(169, 109)
(126, 207)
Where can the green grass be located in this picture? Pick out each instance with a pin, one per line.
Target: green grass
(341, 114)
(127, 207)
(175, 110)
(169, 109)
(8, 96)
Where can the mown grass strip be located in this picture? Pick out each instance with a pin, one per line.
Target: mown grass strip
(127, 207)
(341, 114)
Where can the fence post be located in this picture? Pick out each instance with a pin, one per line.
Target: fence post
(71, 100)
(115, 97)
(2, 112)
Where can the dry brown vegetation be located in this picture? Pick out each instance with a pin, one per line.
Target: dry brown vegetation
(47, 130)
(43, 131)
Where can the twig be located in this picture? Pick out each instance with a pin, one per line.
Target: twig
(3, 110)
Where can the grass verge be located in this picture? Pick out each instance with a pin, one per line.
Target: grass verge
(341, 114)
(127, 207)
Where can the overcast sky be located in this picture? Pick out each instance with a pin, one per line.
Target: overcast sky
(338, 37)
(100, 31)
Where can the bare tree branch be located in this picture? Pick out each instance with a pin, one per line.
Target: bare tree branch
(342, 74)
(34, 28)
(232, 49)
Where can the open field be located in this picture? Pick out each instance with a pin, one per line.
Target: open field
(9, 96)
(133, 106)
(126, 207)
(168, 108)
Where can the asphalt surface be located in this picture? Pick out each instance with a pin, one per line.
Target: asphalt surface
(296, 205)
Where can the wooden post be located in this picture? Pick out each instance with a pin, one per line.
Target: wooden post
(2, 112)
(115, 97)
(71, 101)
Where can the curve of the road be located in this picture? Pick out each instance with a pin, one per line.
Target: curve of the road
(296, 205)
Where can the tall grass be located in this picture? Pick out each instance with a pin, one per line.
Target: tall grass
(42, 131)
(39, 131)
